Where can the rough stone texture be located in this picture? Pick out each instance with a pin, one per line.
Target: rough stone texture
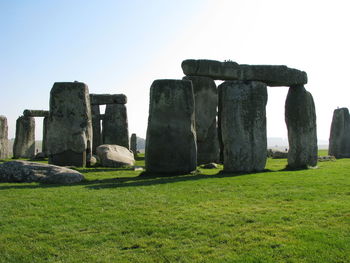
(272, 75)
(69, 133)
(96, 127)
(206, 103)
(133, 143)
(4, 151)
(24, 145)
(300, 118)
(36, 113)
(115, 125)
(23, 171)
(100, 99)
(339, 139)
(44, 142)
(243, 125)
(115, 156)
(171, 137)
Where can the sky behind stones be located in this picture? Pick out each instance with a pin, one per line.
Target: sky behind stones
(122, 46)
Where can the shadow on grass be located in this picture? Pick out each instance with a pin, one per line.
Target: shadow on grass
(143, 179)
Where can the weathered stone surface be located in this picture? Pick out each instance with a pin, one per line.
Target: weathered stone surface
(115, 125)
(206, 103)
(115, 155)
(339, 139)
(300, 117)
(4, 151)
(23, 171)
(272, 75)
(36, 113)
(69, 133)
(171, 136)
(243, 125)
(96, 127)
(44, 141)
(133, 143)
(24, 145)
(100, 99)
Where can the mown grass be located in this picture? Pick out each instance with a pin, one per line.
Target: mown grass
(118, 216)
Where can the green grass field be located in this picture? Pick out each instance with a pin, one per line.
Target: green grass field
(116, 216)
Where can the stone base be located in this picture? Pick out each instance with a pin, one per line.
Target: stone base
(68, 158)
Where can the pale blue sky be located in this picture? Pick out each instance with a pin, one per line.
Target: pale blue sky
(122, 46)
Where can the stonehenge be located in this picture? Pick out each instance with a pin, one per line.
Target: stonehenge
(114, 122)
(115, 125)
(40, 113)
(4, 152)
(24, 145)
(133, 143)
(191, 121)
(300, 117)
(339, 139)
(241, 118)
(171, 136)
(96, 127)
(206, 103)
(272, 75)
(69, 133)
(243, 125)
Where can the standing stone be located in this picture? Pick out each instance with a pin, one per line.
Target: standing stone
(115, 125)
(243, 125)
(171, 137)
(133, 143)
(206, 103)
(96, 127)
(300, 118)
(24, 145)
(69, 133)
(44, 143)
(339, 140)
(4, 151)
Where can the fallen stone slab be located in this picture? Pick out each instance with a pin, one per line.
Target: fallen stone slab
(101, 99)
(27, 172)
(271, 75)
(36, 113)
(112, 155)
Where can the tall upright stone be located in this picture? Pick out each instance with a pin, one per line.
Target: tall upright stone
(115, 125)
(300, 117)
(4, 151)
(133, 143)
(69, 133)
(44, 142)
(243, 125)
(96, 127)
(339, 139)
(171, 137)
(24, 145)
(206, 103)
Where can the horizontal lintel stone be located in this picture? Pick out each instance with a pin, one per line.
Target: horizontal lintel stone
(271, 75)
(36, 113)
(101, 99)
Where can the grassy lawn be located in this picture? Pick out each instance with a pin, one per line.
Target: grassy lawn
(116, 216)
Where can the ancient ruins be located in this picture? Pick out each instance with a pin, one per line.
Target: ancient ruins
(241, 126)
(114, 122)
(339, 139)
(4, 152)
(69, 129)
(191, 121)
(171, 146)
(133, 143)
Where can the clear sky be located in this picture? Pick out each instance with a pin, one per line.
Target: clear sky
(122, 46)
